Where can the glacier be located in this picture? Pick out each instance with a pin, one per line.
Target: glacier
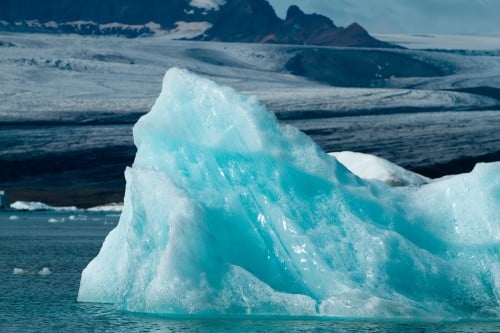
(229, 213)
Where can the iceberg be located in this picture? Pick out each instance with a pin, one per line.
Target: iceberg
(229, 213)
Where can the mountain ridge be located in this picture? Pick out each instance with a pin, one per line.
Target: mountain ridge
(210, 20)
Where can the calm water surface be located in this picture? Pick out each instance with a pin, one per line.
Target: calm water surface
(66, 241)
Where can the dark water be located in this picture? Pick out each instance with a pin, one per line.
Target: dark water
(35, 303)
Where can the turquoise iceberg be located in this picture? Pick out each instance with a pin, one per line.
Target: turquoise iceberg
(229, 213)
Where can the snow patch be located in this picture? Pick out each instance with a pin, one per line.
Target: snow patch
(187, 30)
(81, 23)
(207, 4)
(153, 26)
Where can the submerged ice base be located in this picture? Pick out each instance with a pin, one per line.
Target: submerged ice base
(227, 212)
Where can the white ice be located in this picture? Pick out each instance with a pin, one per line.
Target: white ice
(372, 167)
(34, 206)
(44, 271)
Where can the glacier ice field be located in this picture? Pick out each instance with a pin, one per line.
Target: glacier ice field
(229, 213)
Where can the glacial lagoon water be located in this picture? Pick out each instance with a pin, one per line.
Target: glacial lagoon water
(34, 303)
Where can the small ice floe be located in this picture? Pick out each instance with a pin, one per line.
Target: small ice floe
(39, 206)
(13, 217)
(19, 271)
(54, 220)
(77, 218)
(44, 271)
(111, 207)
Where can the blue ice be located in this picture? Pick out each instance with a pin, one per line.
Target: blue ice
(227, 212)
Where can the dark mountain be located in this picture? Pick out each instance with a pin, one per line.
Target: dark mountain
(228, 21)
(315, 29)
(244, 21)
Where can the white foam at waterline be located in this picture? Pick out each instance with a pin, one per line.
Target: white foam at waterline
(44, 271)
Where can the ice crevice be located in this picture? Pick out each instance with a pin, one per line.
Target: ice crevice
(227, 212)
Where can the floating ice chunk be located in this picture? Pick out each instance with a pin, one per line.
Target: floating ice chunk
(29, 206)
(79, 217)
(112, 207)
(19, 271)
(54, 220)
(13, 217)
(44, 271)
(372, 167)
(228, 213)
(34, 206)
